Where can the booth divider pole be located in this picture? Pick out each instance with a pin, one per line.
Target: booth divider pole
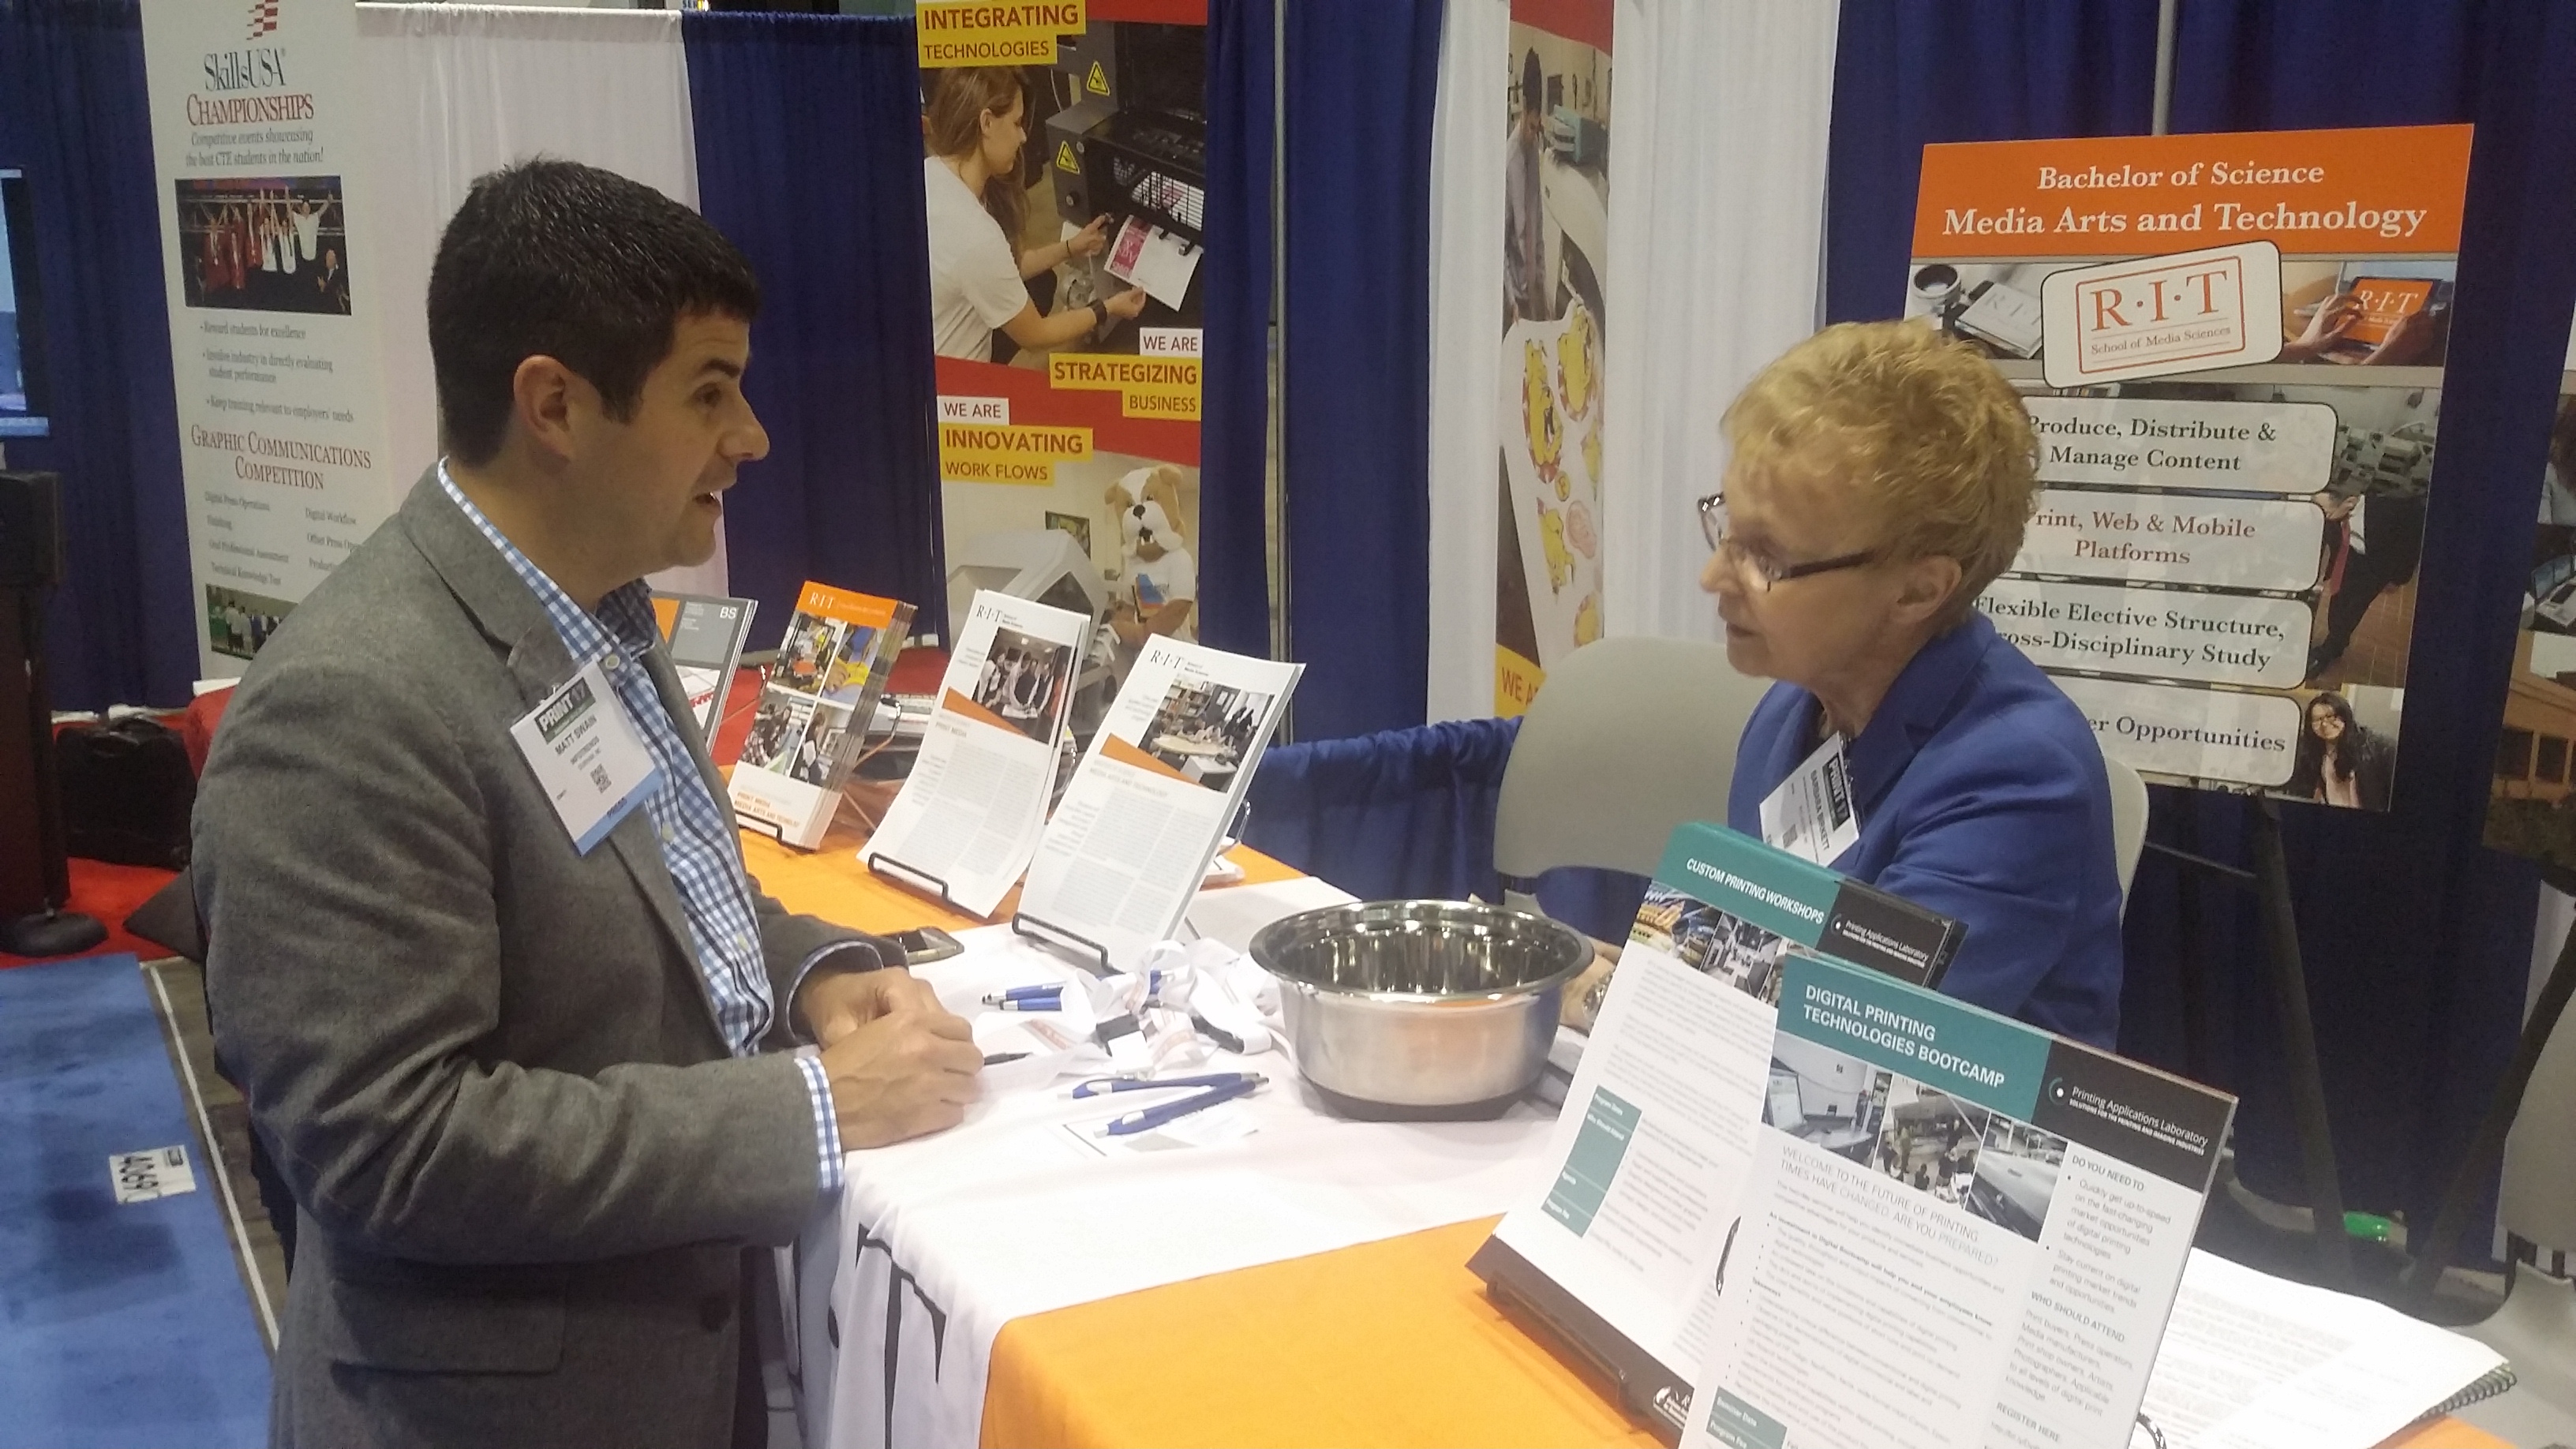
(1274, 500)
(2299, 1045)
(2165, 21)
(2190, 966)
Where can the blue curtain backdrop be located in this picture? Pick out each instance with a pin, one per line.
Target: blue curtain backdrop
(2417, 940)
(1360, 80)
(73, 117)
(1234, 402)
(809, 157)
(1909, 73)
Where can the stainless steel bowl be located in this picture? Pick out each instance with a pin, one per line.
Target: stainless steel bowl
(1420, 1008)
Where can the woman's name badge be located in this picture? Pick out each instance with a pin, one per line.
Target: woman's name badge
(588, 758)
(1813, 815)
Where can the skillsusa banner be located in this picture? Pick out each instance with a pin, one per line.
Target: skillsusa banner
(255, 135)
(2232, 348)
(1065, 182)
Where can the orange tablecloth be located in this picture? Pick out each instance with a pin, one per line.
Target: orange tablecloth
(1386, 1343)
(2447, 1433)
(1391, 1342)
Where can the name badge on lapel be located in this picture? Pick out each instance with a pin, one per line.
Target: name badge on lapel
(1813, 815)
(587, 756)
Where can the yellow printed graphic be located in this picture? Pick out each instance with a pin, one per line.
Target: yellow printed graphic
(1182, 407)
(1064, 158)
(1147, 387)
(992, 453)
(994, 32)
(1098, 84)
(1516, 682)
(1118, 372)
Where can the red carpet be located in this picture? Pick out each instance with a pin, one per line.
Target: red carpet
(110, 892)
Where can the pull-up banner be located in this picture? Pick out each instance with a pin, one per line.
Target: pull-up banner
(2232, 349)
(1065, 180)
(256, 130)
(1556, 256)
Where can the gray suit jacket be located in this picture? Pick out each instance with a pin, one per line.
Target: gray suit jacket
(525, 1162)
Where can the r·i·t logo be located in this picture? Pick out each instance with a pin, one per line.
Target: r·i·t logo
(263, 17)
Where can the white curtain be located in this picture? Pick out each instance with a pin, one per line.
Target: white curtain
(461, 89)
(1720, 111)
(1469, 138)
(1719, 119)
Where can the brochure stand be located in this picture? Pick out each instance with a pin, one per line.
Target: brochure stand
(1652, 1394)
(920, 880)
(2270, 881)
(1090, 955)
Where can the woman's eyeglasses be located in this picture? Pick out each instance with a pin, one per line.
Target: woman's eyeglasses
(1761, 573)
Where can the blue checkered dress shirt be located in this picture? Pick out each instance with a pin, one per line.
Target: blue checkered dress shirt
(698, 846)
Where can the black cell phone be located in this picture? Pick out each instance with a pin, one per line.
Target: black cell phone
(926, 943)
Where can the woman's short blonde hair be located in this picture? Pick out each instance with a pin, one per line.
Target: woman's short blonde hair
(1918, 426)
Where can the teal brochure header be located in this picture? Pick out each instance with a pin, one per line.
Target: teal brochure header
(1966, 1051)
(1750, 881)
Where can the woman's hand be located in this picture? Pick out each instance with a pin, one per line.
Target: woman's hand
(1126, 304)
(2333, 318)
(1089, 241)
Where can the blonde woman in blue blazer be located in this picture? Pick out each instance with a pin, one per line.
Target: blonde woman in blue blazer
(1879, 478)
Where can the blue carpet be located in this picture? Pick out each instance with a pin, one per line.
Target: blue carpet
(126, 1325)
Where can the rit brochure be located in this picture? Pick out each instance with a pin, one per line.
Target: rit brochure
(969, 814)
(816, 701)
(705, 636)
(1151, 800)
(1655, 1144)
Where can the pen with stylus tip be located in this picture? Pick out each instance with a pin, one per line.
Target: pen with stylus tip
(1150, 1118)
(1028, 998)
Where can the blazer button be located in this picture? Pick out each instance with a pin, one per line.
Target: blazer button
(713, 1311)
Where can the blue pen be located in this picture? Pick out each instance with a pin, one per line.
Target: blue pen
(1028, 998)
(1153, 1117)
(1103, 1086)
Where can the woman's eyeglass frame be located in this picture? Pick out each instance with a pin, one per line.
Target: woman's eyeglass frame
(1762, 574)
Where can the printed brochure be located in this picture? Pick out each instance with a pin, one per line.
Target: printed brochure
(1976, 1243)
(705, 636)
(1657, 1138)
(969, 814)
(1148, 805)
(816, 701)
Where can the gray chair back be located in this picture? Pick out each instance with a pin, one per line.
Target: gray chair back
(2128, 821)
(1628, 739)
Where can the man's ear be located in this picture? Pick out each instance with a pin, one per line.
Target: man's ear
(1925, 587)
(545, 397)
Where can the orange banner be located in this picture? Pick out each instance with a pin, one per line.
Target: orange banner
(2392, 190)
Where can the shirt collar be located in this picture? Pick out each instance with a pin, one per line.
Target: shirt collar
(625, 613)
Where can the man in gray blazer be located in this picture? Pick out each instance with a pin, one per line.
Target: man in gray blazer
(532, 1092)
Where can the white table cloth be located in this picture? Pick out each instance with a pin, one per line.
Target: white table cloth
(939, 1242)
